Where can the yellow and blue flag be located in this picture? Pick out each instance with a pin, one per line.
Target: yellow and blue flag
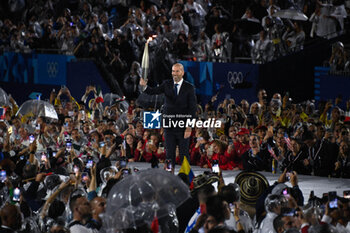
(186, 169)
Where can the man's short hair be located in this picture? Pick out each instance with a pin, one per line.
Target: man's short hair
(108, 132)
(216, 208)
(180, 66)
(29, 171)
(230, 193)
(278, 222)
(73, 202)
(56, 209)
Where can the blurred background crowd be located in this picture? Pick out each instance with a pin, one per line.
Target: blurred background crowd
(114, 32)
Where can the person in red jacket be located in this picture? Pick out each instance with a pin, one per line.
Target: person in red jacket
(129, 147)
(141, 145)
(153, 148)
(219, 154)
(199, 148)
(240, 147)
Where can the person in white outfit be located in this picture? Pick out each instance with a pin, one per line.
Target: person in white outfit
(273, 206)
(231, 194)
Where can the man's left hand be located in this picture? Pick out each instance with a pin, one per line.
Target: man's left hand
(187, 133)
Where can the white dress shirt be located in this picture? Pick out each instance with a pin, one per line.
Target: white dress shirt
(179, 85)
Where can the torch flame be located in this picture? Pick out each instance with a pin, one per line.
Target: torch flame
(151, 38)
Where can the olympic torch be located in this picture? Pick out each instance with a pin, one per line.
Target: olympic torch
(145, 59)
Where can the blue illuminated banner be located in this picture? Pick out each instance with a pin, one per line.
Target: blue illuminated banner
(24, 73)
(328, 86)
(238, 81)
(16, 68)
(51, 69)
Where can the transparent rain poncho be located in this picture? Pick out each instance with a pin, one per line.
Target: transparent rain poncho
(273, 205)
(140, 197)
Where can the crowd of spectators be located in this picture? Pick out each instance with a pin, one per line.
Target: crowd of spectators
(268, 135)
(114, 32)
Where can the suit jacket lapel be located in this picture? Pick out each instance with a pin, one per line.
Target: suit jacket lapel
(172, 87)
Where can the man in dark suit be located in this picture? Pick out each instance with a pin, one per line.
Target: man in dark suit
(180, 99)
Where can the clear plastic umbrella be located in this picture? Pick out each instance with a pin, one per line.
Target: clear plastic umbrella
(291, 14)
(139, 197)
(4, 98)
(36, 108)
(111, 99)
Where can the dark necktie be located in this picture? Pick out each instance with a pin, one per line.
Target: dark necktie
(175, 89)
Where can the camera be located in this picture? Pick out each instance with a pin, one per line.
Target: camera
(16, 194)
(202, 148)
(230, 142)
(3, 176)
(31, 138)
(169, 165)
(68, 145)
(76, 170)
(89, 163)
(346, 194)
(123, 163)
(215, 167)
(84, 177)
(124, 144)
(43, 158)
(161, 147)
(333, 200)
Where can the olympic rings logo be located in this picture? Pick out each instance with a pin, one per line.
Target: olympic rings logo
(234, 78)
(52, 69)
